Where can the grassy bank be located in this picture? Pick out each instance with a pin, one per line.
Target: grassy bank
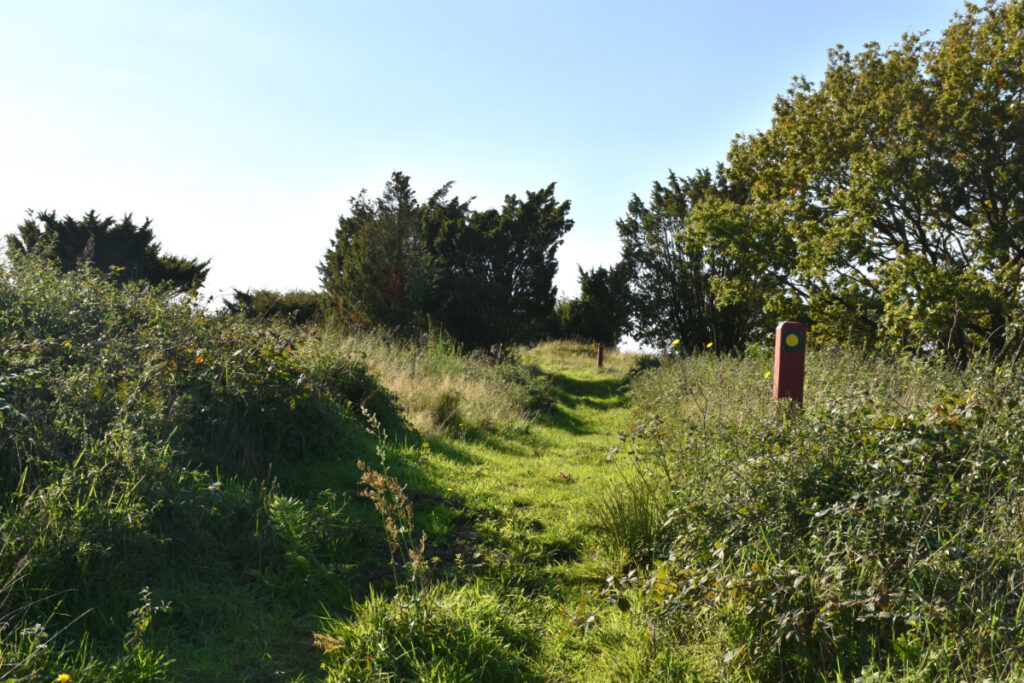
(155, 520)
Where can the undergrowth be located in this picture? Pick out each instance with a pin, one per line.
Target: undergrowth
(873, 535)
(182, 493)
(179, 489)
(140, 441)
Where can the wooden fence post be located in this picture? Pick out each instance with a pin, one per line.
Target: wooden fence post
(790, 346)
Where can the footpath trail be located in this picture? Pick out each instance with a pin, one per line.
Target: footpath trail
(544, 479)
(513, 519)
(527, 525)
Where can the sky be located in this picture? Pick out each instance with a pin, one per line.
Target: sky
(243, 128)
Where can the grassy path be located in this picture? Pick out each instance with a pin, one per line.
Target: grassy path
(511, 517)
(546, 476)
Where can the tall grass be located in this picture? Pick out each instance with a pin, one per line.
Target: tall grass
(439, 388)
(875, 533)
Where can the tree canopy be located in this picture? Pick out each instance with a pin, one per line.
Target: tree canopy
(486, 277)
(884, 204)
(128, 251)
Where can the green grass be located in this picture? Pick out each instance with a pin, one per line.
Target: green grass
(182, 500)
(514, 519)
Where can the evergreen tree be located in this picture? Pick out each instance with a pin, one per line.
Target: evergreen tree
(377, 266)
(601, 313)
(122, 247)
(497, 270)
(673, 276)
(485, 277)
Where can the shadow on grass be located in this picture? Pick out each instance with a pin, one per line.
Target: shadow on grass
(569, 393)
(600, 394)
(558, 417)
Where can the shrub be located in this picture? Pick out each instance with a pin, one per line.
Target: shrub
(295, 307)
(136, 434)
(876, 531)
(81, 357)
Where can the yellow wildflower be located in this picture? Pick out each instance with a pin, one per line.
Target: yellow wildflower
(63, 678)
(709, 345)
(768, 374)
(675, 342)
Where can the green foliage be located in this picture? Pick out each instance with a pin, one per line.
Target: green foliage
(377, 265)
(878, 530)
(883, 206)
(121, 409)
(295, 307)
(673, 276)
(497, 269)
(601, 314)
(124, 249)
(484, 277)
(886, 200)
(82, 358)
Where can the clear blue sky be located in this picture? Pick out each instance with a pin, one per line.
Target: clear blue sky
(242, 128)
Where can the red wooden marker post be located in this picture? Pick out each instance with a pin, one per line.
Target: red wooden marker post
(790, 342)
(600, 355)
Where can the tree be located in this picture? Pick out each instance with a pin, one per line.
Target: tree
(125, 249)
(497, 269)
(601, 313)
(892, 190)
(378, 267)
(672, 274)
(485, 277)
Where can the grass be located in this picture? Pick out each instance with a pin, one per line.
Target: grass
(183, 500)
(438, 389)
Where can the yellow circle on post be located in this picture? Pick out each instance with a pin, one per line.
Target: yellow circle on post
(792, 340)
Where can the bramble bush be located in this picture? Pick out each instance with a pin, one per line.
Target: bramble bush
(139, 432)
(876, 533)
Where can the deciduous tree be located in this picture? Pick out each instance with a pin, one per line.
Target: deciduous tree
(893, 190)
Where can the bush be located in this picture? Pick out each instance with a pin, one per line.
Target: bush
(82, 357)
(878, 531)
(295, 307)
(137, 433)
